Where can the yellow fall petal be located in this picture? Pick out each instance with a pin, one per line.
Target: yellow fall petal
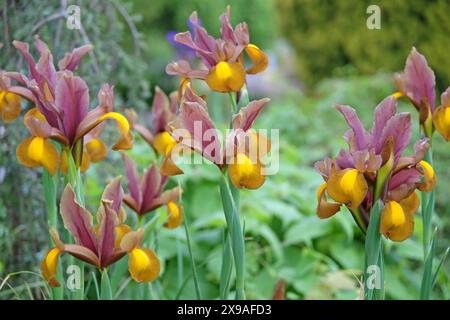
(169, 168)
(22, 154)
(259, 59)
(164, 143)
(143, 264)
(347, 186)
(125, 141)
(175, 218)
(37, 151)
(49, 266)
(441, 121)
(325, 209)
(397, 220)
(10, 106)
(429, 177)
(226, 77)
(96, 149)
(244, 173)
(121, 230)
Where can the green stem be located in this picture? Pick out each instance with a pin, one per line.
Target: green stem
(105, 286)
(235, 233)
(50, 188)
(427, 209)
(373, 263)
(191, 255)
(234, 106)
(74, 178)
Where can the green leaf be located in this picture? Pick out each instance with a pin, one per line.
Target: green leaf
(105, 286)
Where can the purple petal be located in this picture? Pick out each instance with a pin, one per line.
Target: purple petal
(360, 134)
(383, 112)
(133, 180)
(45, 64)
(160, 111)
(419, 79)
(204, 137)
(399, 128)
(226, 30)
(150, 185)
(71, 60)
(108, 221)
(344, 160)
(77, 220)
(72, 99)
(247, 115)
(114, 193)
(445, 98)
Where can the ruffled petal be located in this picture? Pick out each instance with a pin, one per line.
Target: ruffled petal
(96, 149)
(49, 266)
(175, 215)
(10, 106)
(259, 59)
(143, 264)
(125, 141)
(347, 186)
(325, 209)
(429, 177)
(441, 121)
(37, 151)
(245, 173)
(397, 220)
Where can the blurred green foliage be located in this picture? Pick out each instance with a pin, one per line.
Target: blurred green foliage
(330, 34)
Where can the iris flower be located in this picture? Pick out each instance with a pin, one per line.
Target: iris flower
(417, 83)
(61, 113)
(243, 147)
(223, 57)
(147, 193)
(163, 111)
(104, 243)
(374, 168)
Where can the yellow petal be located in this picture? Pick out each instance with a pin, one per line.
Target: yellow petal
(164, 143)
(226, 77)
(441, 121)
(35, 113)
(429, 177)
(22, 154)
(325, 209)
(397, 95)
(244, 173)
(96, 149)
(175, 215)
(347, 186)
(10, 106)
(49, 266)
(37, 151)
(121, 230)
(397, 220)
(169, 168)
(143, 265)
(126, 141)
(258, 57)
